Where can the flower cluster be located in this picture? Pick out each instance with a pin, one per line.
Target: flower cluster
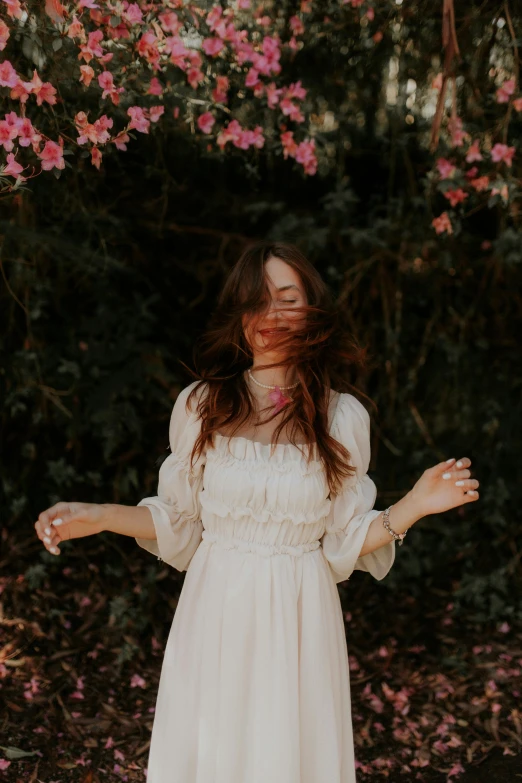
(478, 169)
(132, 63)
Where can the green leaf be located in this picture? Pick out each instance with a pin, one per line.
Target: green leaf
(16, 753)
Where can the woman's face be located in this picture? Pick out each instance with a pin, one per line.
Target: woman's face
(286, 294)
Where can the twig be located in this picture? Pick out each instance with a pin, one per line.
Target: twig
(11, 290)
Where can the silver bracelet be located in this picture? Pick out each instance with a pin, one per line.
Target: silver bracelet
(386, 523)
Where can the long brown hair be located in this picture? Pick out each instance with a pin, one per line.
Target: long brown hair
(320, 349)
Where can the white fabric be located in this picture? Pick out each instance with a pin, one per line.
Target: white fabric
(255, 684)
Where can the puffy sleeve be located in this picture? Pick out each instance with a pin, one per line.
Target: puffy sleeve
(351, 511)
(175, 510)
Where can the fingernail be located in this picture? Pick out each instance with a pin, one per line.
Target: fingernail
(54, 550)
(450, 460)
(58, 521)
(48, 531)
(472, 492)
(47, 539)
(459, 483)
(446, 475)
(459, 463)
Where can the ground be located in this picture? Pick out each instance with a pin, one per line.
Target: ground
(435, 698)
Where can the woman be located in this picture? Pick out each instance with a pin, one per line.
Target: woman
(265, 501)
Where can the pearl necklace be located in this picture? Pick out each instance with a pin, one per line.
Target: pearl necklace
(265, 386)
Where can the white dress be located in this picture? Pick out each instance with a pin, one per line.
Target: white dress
(254, 686)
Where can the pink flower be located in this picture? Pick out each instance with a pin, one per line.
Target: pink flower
(272, 94)
(255, 137)
(504, 92)
(442, 223)
(229, 133)
(4, 34)
(155, 87)
(252, 78)
(28, 135)
(501, 152)
(455, 196)
(13, 169)
(289, 145)
(133, 14)
(96, 132)
(155, 112)
(268, 62)
(296, 25)
(446, 169)
(212, 46)
(121, 140)
(92, 48)
(473, 152)
(480, 184)
(289, 109)
(214, 19)
(8, 75)
(137, 681)
(106, 81)
(21, 91)
(51, 156)
(517, 104)
(14, 8)
(295, 90)
(219, 93)
(87, 74)
(194, 77)
(205, 122)
(7, 134)
(177, 50)
(170, 22)
(44, 91)
(278, 399)
(138, 119)
(4, 764)
(148, 49)
(305, 154)
(76, 29)
(96, 157)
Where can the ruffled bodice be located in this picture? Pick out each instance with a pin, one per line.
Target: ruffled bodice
(252, 495)
(241, 495)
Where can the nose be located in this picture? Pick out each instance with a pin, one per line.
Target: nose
(273, 311)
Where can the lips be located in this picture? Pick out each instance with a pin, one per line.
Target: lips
(272, 331)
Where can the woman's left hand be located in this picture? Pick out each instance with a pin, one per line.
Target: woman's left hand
(445, 486)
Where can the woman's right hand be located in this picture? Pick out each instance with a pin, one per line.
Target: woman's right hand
(64, 521)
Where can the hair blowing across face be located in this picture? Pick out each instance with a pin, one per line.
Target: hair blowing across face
(319, 349)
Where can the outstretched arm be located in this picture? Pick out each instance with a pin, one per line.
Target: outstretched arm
(440, 488)
(64, 521)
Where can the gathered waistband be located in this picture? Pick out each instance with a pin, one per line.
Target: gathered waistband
(266, 550)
